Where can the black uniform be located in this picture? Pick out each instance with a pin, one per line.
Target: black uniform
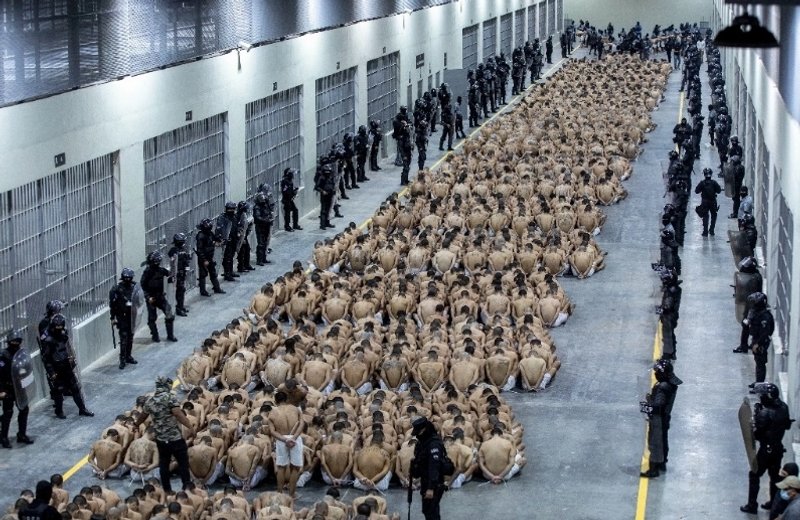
(205, 244)
(429, 455)
(9, 401)
(181, 262)
(263, 216)
(227, 229)
(708, 189)
(153, 286)
(421, 140)
(659, 415)
(245, 227)
(473, 101)
(447, 127)
(737, 174)
(406, 147)
(59, 363)
(548, 49)
(325, 185)
(349, 171)
(121, 307)
(770, 422)
(288, 193)
(376, 133)
(361, 148)
(762, 325)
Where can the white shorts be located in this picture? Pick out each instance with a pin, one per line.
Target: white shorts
(511, 382)
(136, 475)
(118, 472)
(285, 456)
(345, 481)
(258, 475)
(381, 485)
(364, 389)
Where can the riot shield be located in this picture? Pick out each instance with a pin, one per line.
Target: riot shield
(746, 424)
(739, 245)
(744, 284)
(22, 377)
(644, 384)
(169, 290)
(137, 304)
(728, 176)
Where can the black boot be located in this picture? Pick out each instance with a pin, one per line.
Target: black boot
(218, 290)
(122, 363)
(4, 442)
(329, 225)
(171, 330)
(180, 311)
(24, 439)
(322, 225)
(129, 360)
(288, 228)
(154, 333)
(296, 227)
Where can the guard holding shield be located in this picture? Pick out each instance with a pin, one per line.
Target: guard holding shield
(60, 363)
(124, 302)
(16, 376)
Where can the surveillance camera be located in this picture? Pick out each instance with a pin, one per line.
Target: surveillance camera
(245, 46)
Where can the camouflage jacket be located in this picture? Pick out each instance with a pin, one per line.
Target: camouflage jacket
(159, 408)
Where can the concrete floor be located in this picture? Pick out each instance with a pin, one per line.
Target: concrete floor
(584, 436)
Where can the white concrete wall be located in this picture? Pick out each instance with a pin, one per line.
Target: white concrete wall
(120, 115)
(781, 135)
(625, 13)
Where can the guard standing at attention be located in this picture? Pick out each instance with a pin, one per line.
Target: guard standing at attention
(263, 216)
(361, 148)
(770, 422)
(52, 308)
(123, 304)
(152, 282)
(661, 400)
(180, 263)
(227, 228)
(60, 364)
(10, 387)
(430, 466)
(376, 133)
(205, 244)
(762, 325)
(288, 193)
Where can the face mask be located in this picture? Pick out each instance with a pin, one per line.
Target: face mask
(785, 495)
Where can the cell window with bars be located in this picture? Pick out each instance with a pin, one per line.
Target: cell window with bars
(551, 16)
(783, 274)
(273, 140)
(489, 38)
(184, 181)
(335, 107)
(469, 46)
(506, 34)
(532, 25)
(58, 242)
(519, 27)
(542, 19)
(383, 82)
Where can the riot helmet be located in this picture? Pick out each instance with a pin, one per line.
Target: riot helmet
(748, 264)
(707, 172)
(759, 300)
(206, 224)
(735, 139)
(673, 154)
(289, 172)
(260, 198)
(667, 235)
(743, 191)
(54, 307)
(374, 124)
(230, 206)
(362, 130)
(403, 109)
(444, 87)
(58, 323)
(179, 239)
(747, 220)
(768, 392)
(155, 258)
(127, 275)
(13, 339)
(242, 206)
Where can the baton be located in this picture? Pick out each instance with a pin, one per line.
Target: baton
(114, 336)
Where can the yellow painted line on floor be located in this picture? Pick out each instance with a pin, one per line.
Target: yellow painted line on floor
(641, 497)
(85, 460)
